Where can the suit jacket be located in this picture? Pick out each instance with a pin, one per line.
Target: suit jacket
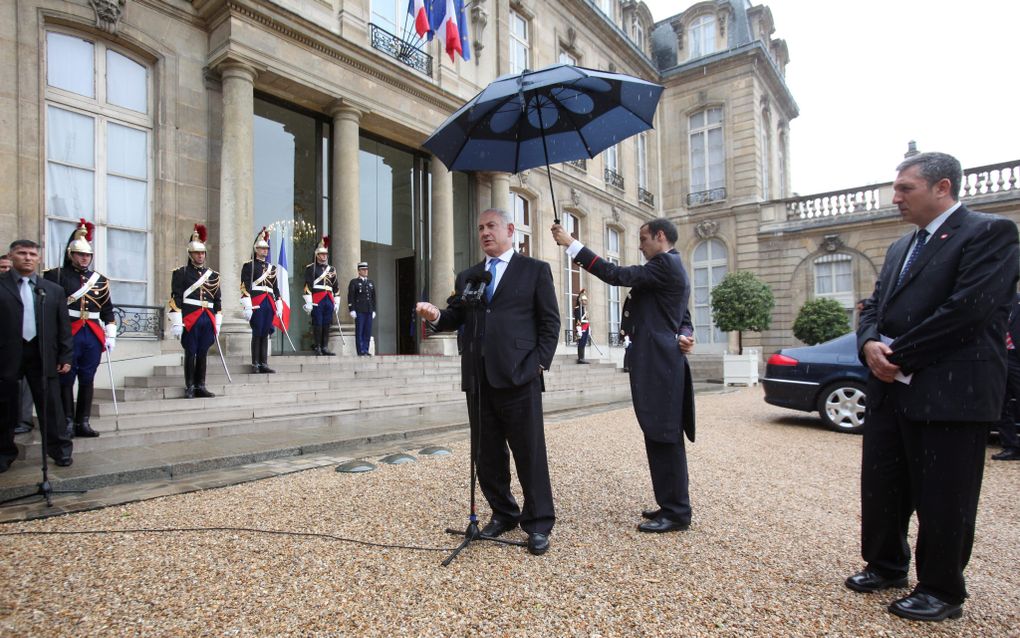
(947, 318)
(516, 332)
(655, 314)
(50, 315)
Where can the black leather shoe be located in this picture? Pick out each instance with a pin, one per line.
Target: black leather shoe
(189, 392)
(651, 514)
(64, 462)
(538, 543)
(4, 466)
(867, 581)
(662, 524)
(920, 606)
(264, 369)
(327, 353)
(201, 392)
(21, 428)
(497, 528)
(1005, 455)
(582, 361)
(84, 430)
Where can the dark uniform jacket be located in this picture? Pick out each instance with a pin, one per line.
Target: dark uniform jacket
(206, 296)
(654, 316)
(361, 295)
(947, 319)
(92, 307)
(251, 286)
(329, 283)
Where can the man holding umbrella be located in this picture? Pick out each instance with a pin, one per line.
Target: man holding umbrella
(657, 320)
(93, 327)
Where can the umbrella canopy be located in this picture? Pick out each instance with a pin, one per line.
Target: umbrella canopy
(535, 118)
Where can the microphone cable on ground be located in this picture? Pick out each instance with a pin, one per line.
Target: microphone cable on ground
(253, 530)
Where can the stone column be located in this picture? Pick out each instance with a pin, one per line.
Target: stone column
(441, 275)
(501, 191)
(236, 218)
(345, 204)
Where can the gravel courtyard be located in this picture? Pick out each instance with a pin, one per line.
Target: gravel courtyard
(775, 532)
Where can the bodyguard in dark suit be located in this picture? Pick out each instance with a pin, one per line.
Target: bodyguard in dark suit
(932, 336)
(507, 340)
(21, 354)
(1007, 424)
(655, 317)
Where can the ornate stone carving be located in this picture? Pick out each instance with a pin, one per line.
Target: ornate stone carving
(522, 177)
(615, 212)
(575, 196)
(479, 18)
(706, 228)
(832, 243)
(108, 13)
(678, 30)
(571, 37)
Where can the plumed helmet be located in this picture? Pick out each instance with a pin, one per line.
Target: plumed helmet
(262, 239)
(323, 248)
(198, 237)
(80, 238)
(582, 296)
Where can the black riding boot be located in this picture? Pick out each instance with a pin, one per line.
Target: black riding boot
(324, 344)
(264, 355)
(316, 339)
(83, 411)
(67, 400)
(189, 375)
(255, 367)
(580, 354)
(200, 391)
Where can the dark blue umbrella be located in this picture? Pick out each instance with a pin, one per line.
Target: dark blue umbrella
(535, 118)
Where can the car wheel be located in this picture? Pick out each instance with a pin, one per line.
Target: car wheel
(841, 406)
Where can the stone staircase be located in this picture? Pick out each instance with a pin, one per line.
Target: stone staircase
(409, 392)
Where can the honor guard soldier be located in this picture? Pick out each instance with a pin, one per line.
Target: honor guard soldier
(93, 327)
(260, 301)
(361, 304)
(195, 313)
(581, 324)
(321, 287)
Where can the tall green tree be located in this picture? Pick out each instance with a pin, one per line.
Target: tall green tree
(742, 302)
(820, 320)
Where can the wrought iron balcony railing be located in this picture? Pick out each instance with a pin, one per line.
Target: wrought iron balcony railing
(139, 322)
(401, 50)
(581, 164)
(705, 197)
(645, 197)
(613, 178)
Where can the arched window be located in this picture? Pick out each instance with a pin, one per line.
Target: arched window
(572, 273)
(710, 266)
(702, 36)
(98, 158)
(834, 279)
(613, 292)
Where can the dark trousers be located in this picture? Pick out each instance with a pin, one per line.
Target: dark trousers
(667, 463)
(511, 421)
(933, 468)
(363, 331)
(58, 442)
(25, 416)
(1007, 424)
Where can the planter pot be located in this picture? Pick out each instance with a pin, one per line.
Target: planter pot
(741, 369)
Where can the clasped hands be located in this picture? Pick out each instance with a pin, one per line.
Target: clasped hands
(876, 355)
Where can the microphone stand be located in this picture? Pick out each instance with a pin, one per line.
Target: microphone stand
(472, 298)
(44, 489)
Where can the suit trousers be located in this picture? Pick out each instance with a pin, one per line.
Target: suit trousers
(667, 463)
(58, 442)
(1007, 425)
(512, 417)
(931, 467)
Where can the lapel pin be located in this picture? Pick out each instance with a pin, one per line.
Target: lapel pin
(943, 235)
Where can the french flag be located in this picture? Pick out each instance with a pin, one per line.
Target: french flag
(283, 281)
(445, 20)
(416, 9)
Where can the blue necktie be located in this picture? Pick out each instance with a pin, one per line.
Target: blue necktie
(922, 235)
(490, 288)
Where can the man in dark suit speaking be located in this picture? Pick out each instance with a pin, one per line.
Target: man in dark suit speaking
(656, 319)
(25, 316)
(508, 338)
(932, 336)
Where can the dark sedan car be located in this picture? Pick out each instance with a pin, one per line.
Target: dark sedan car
(827, 378)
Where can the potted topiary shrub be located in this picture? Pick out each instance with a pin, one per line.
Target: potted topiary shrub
(742, 302)
(820, 320)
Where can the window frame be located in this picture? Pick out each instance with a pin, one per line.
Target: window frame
(845, 297)
(613, 297)
(522, 223)
(708, 335)
(520, 45)
(701, 36)
(704, 130)
(572, 224)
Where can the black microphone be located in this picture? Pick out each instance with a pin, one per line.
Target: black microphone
(42, 293)
(475, 287)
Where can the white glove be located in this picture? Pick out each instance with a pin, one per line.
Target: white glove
(111, 336)
(579, 331)
(246, 308)
(176, 324)
(373, 315)
(219, 321)
(354, 315)
(279, 309)
(308, 303)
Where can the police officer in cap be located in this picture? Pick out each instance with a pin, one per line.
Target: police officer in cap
(195, 312)
(260, 300)
(93, 327)
(361, 304)
(321, 288)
